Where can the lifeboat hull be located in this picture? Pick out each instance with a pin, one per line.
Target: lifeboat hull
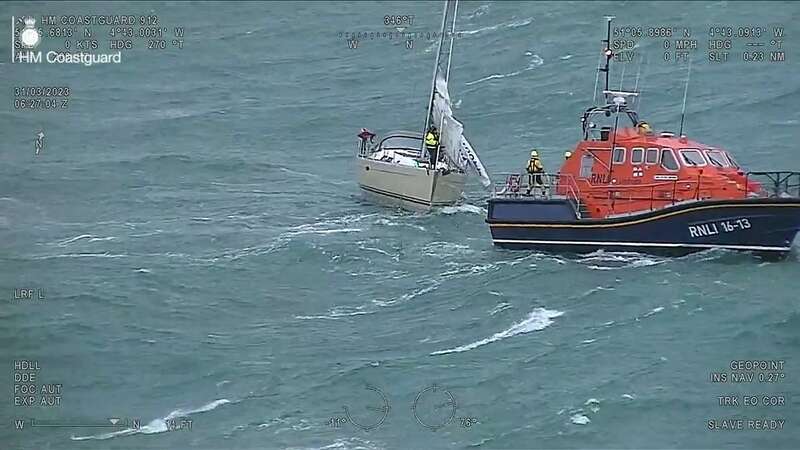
(758, 225)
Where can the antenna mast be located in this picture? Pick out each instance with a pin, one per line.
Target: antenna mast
(685, 91)
(596, 79)
(607, 50)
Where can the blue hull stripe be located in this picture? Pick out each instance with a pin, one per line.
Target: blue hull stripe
(617, 222)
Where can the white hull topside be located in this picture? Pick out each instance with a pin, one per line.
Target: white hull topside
(410, 187)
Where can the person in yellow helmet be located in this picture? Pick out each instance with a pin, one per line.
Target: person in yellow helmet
(644, 128)
(432, 144)
(535, 170)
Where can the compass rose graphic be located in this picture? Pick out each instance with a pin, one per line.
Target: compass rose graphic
(434, 407)
(381, 408)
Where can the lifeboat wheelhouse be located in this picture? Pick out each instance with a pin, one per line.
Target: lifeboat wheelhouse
(626, 167)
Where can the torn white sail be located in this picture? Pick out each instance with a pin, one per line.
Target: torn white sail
(451, 134)
(473, 162)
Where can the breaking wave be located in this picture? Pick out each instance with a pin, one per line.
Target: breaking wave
(538, 319)
(155, 426)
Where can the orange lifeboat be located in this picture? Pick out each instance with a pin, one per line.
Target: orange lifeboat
(628, 187)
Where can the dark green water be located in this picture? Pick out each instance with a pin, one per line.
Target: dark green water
(195, 224)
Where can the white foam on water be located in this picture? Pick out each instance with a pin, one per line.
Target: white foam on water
(619, 260)
(595, 290)
(538, 319)
(155, 426)
(90, 237)
(445, 249)
(342, 224)
(579, 419)
(654, 311)
(534, 62)
(588, 341)
(391, 223)
(464, 208)
(84, 255)
(509, 25)
(353, 443)
(416, 293)
(565, 57)
(499, 307)
(678, 303)
(109, 238)
(628, 396)
(374, 249)
(407, 296)
(76, 238)
(338, 313)
(337, 230)
(481, 10)
(468, 270)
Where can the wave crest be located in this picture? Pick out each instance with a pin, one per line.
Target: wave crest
(538, 319)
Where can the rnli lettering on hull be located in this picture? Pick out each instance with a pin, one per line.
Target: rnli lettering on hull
(706, 229)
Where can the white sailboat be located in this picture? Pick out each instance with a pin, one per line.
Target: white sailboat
(398, 168)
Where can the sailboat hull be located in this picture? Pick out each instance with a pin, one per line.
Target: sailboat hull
(412, 188)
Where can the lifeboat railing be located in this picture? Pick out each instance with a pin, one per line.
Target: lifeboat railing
(774, 183)
(654, 195)
(621, 197)
(518, 185)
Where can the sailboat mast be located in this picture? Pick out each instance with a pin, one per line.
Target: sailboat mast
(452, 38)
(449, 53)
(424, 151)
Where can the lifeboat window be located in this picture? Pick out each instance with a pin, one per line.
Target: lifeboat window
(692, 157)
(668, 159)
(637, 155)
(652, 156)
(716, 158)
(587, 161)
(619, 156)
(733, 161)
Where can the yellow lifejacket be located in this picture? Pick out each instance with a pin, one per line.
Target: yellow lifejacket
(535, 166)
(430, 140)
